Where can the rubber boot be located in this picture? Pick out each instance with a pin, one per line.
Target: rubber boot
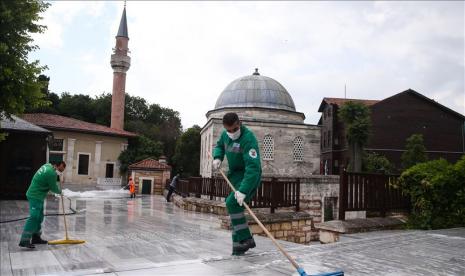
(26, 244)
(36, 239)
(243, 247)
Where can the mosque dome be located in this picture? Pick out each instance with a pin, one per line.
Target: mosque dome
(255, 91)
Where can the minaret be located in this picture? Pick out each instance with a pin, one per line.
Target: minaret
(120, 62)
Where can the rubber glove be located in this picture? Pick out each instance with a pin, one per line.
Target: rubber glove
(239, 197)
(216, 164)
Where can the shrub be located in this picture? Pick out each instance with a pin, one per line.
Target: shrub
(377, 163)
(415, 151)
(437, 194)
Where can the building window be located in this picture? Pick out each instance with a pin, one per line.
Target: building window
(268, 148)
(83, 163)
(336, 141)
(298, 149)
(329, 138)
(56, 145)
(109, 169)
(329, 111)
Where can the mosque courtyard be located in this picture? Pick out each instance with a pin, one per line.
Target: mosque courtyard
(148, 236)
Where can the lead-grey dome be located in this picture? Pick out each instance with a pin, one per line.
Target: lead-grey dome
(255, 91)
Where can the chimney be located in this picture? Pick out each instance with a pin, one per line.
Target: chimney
(162, 159)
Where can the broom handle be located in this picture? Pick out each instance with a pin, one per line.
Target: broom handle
(63, 207)
(293, 262)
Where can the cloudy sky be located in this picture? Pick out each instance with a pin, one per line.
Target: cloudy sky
(185, 53)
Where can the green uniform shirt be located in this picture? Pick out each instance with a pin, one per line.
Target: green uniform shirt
(245, 169)
(44, 180)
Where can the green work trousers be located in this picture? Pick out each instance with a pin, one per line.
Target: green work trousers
(240, 228)
(34, 222)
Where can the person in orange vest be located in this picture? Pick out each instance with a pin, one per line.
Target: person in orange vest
(132, 188)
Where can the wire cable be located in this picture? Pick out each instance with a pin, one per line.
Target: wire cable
(73, 212)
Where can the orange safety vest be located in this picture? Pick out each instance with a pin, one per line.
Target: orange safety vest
(132, 187)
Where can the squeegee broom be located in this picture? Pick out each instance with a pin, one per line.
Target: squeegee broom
(293, 262)
(66, 240)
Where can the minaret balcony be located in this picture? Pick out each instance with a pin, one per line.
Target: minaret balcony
(120, 63)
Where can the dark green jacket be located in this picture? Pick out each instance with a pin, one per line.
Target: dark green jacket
(243, 156)
(43, 181)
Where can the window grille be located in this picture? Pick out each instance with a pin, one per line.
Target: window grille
(298, 149)
(268, 147)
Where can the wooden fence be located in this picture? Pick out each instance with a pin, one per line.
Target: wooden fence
(272, 193)
(370, 192)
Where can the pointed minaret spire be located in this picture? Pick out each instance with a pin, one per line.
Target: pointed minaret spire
(123, 24)
(120, 62)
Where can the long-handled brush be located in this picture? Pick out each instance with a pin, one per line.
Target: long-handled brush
(66, 240)
(293, 262)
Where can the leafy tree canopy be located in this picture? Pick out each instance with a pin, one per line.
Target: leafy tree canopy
(19, 78)
(187, 153)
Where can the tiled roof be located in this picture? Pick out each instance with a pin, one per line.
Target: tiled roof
(18, 124)
(149, 163)
(57, 122)
(341, 101)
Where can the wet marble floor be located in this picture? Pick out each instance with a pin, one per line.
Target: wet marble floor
(148, 236)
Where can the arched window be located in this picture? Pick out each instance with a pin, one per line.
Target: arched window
(298, 149)
(268, 147)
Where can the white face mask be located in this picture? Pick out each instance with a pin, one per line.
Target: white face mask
(235, 135)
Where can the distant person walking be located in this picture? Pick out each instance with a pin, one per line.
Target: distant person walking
(44, 180)
(172, 187)
(132, 188)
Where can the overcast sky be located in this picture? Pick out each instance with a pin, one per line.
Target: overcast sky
(185, 53)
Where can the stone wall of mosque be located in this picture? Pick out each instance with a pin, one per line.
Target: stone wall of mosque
(286, 149)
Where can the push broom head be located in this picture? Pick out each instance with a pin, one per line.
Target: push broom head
(66, 241)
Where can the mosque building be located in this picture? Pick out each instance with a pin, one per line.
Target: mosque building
(288, 146)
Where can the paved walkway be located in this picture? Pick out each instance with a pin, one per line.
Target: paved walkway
(148, 236)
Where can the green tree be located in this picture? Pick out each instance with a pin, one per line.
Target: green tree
(377, 163)
(19, 80)
(139, 148)
(415, 151)
(77, 106)
(135, 108)
(187, 153)
(19, 83)
(357, 121)
(101, 106)
(52, 99)
(156, 122)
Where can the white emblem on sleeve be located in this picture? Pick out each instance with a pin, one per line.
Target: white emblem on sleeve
(253, 153)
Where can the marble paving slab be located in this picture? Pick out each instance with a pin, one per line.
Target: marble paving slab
(148, 236)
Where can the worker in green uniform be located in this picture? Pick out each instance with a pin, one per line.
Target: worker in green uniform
(240, 146)
(44, 180)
